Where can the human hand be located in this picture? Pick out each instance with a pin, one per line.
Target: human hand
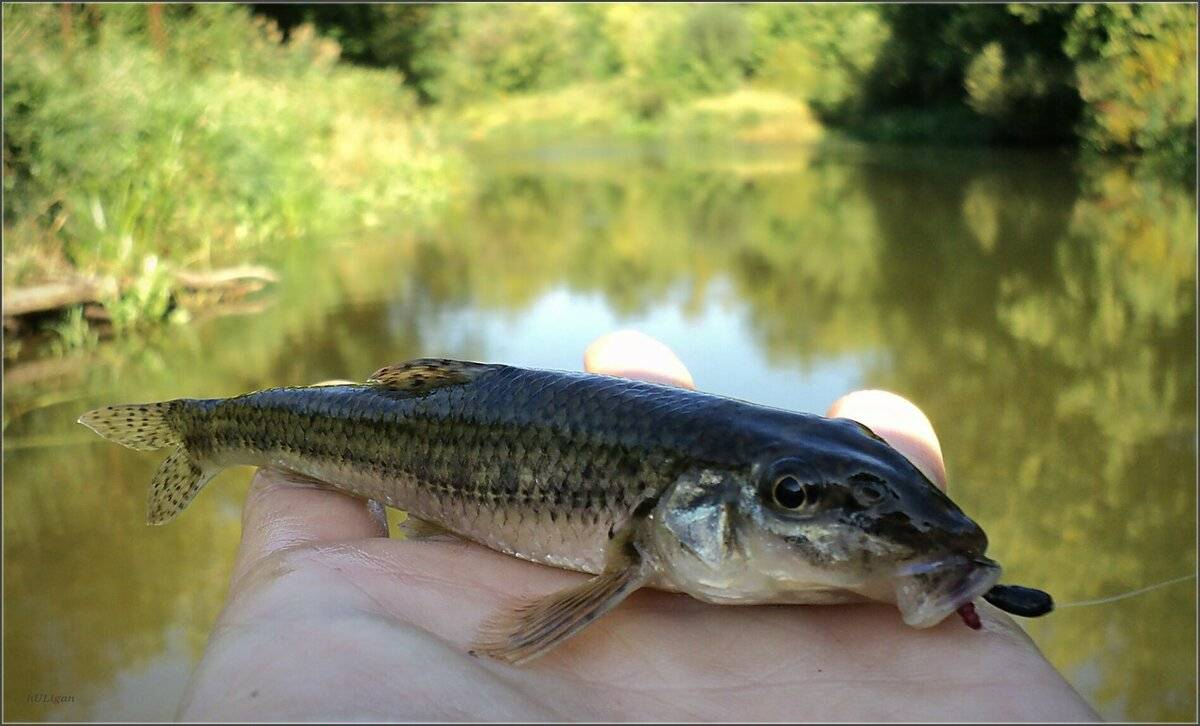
(327, 619)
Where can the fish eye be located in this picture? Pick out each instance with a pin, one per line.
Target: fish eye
(789, 493)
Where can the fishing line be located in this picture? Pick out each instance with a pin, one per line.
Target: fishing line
(1124, 595)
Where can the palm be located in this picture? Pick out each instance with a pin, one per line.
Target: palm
(328, 619)
(379, 628)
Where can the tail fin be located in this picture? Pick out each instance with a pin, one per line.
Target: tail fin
(145, 427)
(139, 426)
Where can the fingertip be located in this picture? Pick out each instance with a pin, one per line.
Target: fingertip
(633, 354)
(899, 422)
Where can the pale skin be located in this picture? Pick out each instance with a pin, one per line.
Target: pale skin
(328, 619)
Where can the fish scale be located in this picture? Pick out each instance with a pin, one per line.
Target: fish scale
(528, 457)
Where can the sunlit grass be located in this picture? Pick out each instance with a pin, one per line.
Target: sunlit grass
(603, 111)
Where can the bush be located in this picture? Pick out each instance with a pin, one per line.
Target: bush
(1136, 66)
(819, 53)
(497, 49)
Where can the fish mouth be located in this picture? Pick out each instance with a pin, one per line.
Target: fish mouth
(929, 590)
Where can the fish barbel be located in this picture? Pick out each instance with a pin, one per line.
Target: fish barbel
(636, 483)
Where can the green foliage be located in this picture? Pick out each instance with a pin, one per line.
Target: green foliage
(820, 53)
(72, 333)
(510, 48)
(985, 72)
(215, 143)
(376, 34)
(1114, 76)
(1137, 73)
(713, 49)
(148, 298)
(500, 48)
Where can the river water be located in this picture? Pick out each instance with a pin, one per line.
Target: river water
(1041, 310)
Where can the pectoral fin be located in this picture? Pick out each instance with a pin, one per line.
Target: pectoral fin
(534, 627)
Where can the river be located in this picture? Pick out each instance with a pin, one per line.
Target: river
(1040, 308)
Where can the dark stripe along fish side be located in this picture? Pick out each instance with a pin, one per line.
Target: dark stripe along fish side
(496, 458)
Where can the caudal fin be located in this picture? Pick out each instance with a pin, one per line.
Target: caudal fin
(146, 427)
(141, 426)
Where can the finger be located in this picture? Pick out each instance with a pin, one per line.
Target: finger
(283, 511)
(630, 354)
(899, 422)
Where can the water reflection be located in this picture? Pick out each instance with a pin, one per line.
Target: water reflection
(1041, 311)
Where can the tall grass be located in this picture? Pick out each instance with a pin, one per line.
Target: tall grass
(200, 140)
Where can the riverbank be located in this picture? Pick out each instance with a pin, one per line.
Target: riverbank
(138, 158)
(602, 112)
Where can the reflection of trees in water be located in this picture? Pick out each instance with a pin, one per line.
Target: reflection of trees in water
(1059, 365)
(91, 591)
(1043, 318)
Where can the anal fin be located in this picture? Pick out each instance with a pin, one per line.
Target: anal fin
(178, 479)
(300, 479)
(417, 528)
(534, 627)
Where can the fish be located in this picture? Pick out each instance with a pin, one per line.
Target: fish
(634, 483)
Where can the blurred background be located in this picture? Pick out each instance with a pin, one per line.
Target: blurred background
(989, 209)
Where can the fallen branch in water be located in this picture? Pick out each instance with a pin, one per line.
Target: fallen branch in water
(226, 277)
(51, 296)
(83, 290)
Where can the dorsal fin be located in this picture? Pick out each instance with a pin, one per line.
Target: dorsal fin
(426, 374)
